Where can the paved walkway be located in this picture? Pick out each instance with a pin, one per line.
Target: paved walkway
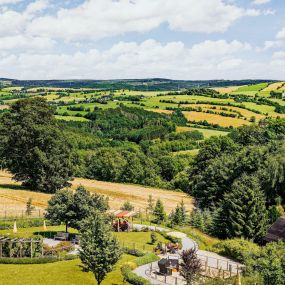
(213, 260)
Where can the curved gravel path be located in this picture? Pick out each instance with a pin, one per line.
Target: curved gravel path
(213, 259)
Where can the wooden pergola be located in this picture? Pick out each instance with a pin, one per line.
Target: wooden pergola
(21, 242)
(123, 214)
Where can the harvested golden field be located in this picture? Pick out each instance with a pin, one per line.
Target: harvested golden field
(12, 197)
(137, 195)
(224, 90)
(275, 86)
(206, 132)
(215, 119)
(161, 111)
(2, 107)
(246, 113)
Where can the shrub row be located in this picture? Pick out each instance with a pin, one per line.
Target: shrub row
(40, 260)
(132, 277)
(22, 223)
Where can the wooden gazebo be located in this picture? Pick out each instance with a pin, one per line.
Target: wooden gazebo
(123, 217)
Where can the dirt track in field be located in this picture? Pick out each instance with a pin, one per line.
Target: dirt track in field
(12, 197)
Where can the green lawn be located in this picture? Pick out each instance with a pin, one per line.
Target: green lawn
(138, 239)
(63, 273)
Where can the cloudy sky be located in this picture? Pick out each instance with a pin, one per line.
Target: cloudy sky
(108, 39)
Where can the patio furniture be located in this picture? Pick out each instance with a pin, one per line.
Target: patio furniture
(75, 239)
(61, 236)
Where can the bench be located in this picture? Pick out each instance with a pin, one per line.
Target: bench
(61, 236)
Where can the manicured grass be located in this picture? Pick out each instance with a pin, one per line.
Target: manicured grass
(63, 273)
(139, 240)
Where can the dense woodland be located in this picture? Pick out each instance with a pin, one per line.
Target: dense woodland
(152, 84)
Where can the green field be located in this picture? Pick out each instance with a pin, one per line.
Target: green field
(254, 87)
(88, 98)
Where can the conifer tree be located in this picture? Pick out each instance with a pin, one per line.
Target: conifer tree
(243, 212)
(159, 212)
(100, 250)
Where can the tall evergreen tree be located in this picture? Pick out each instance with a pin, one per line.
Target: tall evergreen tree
(34, 148)
(159, 212)
(243, 212)
(99, 251)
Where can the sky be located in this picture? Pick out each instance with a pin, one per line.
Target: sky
(120, 39)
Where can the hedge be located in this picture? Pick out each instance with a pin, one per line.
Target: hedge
(40, 260)
(132, 277)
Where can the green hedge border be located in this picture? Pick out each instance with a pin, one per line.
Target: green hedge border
(39, 260)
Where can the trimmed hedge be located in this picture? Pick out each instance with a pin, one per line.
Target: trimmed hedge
(135, 252)
(148, 258)
(40, 260)
(132, 277)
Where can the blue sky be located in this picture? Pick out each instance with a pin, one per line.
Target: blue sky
(108, 39)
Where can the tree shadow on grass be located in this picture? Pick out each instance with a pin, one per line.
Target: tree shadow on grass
(13, 187)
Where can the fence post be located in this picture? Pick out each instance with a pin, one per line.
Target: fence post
(230, 268)
(31, 248)
(217, 263)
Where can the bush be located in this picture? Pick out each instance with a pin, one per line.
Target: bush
(153, 238)
(135, 252)
(131, 277)
(238, 249)
(170, 238)
(148, 258)
(38, 260)
(27, 260)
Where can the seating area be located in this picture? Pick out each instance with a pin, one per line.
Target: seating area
(167, 266)
(61, 236)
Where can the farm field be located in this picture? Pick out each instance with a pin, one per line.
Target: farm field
(67, 101)
(14, 198)
(206, 132)
(215, 119)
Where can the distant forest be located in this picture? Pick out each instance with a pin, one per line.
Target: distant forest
(153, 84)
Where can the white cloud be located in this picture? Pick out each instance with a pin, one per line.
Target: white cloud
(95, 19)
(270, 45)
(20, 42)
(279, 54)
(2, 2)
(260, 2)
(36, 6)
(150, 58)
(281, 34)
